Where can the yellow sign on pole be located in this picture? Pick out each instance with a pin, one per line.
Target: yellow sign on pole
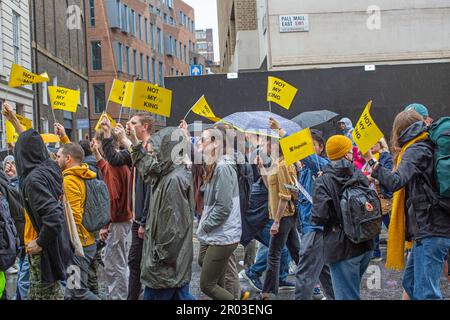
(117, 92)
(202, 108)
(151, 98)
(111, 120)
(11, 134)
(63, 98)
(20, 76)
(280, 92)
(366, 133)
(297, 146)
(128, 95)
(50, 138)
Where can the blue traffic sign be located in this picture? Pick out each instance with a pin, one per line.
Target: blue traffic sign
(195, 70)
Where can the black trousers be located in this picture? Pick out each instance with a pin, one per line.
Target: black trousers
(134, 264)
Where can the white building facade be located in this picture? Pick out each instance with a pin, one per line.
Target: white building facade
(15, 47)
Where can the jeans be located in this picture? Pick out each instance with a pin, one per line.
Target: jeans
(346, 276)
(134, 263)
(23, 278)
(115, 261)
(168, 294)
(78, 289)
(260, 265)
(423, 270)
(312, 268)
(377, 252)
(287, 235)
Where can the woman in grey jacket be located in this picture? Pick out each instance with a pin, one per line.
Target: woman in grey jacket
(220, 226)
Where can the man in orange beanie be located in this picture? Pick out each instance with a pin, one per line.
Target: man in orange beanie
(348, 260)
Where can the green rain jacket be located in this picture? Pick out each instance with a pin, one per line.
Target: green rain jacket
(168, 249)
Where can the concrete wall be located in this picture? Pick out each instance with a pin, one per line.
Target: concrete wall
(409, 31)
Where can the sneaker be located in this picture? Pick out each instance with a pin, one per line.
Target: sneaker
(286, 284)
(318, 295)
(13, 270)
(241, 274)
(376, 259)
(253, 280)
(241, 263)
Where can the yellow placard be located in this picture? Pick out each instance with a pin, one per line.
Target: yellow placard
(117, 92)
(20, 76)
(151, 98)
(280, 92)
(111, 120)
(202, 108)
(366, 133)
(11, 134)
(297, 146)
(128, 95)
(50, 138)
(63, 98)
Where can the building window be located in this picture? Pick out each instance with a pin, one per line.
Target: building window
(181, 18)
(151, 8)
(99, 97)
(146, 30)
(125, 18)
(142, 65)
(148, 68)
(119, 58)
(140, 26)
(16, 36)
(181, 51)
(127, 53)
(44, 94)
(161, 74)
(44, 125)
(154, 70)
(96, 55)
(159, 36)
(185, 55)
(133, 23)
(152, 36)
(92, 13)
(135, 62)
(176, 48)
(172, 21)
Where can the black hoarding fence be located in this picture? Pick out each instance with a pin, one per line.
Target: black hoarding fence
(343, 90)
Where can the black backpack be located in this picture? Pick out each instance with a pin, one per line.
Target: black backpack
(360, 212)
(9, 239)
(97, 207)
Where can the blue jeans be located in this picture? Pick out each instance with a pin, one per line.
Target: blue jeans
(23, 278)
(424, 268)
(346, 276)
(168, 294)
(385, 220)
(260, 264)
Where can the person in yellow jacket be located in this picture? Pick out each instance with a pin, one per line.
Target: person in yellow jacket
(69, 159)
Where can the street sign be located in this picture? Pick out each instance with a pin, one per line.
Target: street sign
(82, 123)
(195, 70)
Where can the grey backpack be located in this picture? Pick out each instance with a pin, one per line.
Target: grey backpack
(96, 210)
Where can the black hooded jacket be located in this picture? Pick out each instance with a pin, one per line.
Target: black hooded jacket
(424, 218)
(41, 189)
(326, 210)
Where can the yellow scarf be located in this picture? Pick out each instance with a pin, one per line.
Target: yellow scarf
(396, 233)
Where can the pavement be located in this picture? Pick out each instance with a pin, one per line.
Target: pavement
(378, 282)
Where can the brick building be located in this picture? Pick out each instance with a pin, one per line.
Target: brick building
(58, 37)
(135, 40)
(234, 16)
